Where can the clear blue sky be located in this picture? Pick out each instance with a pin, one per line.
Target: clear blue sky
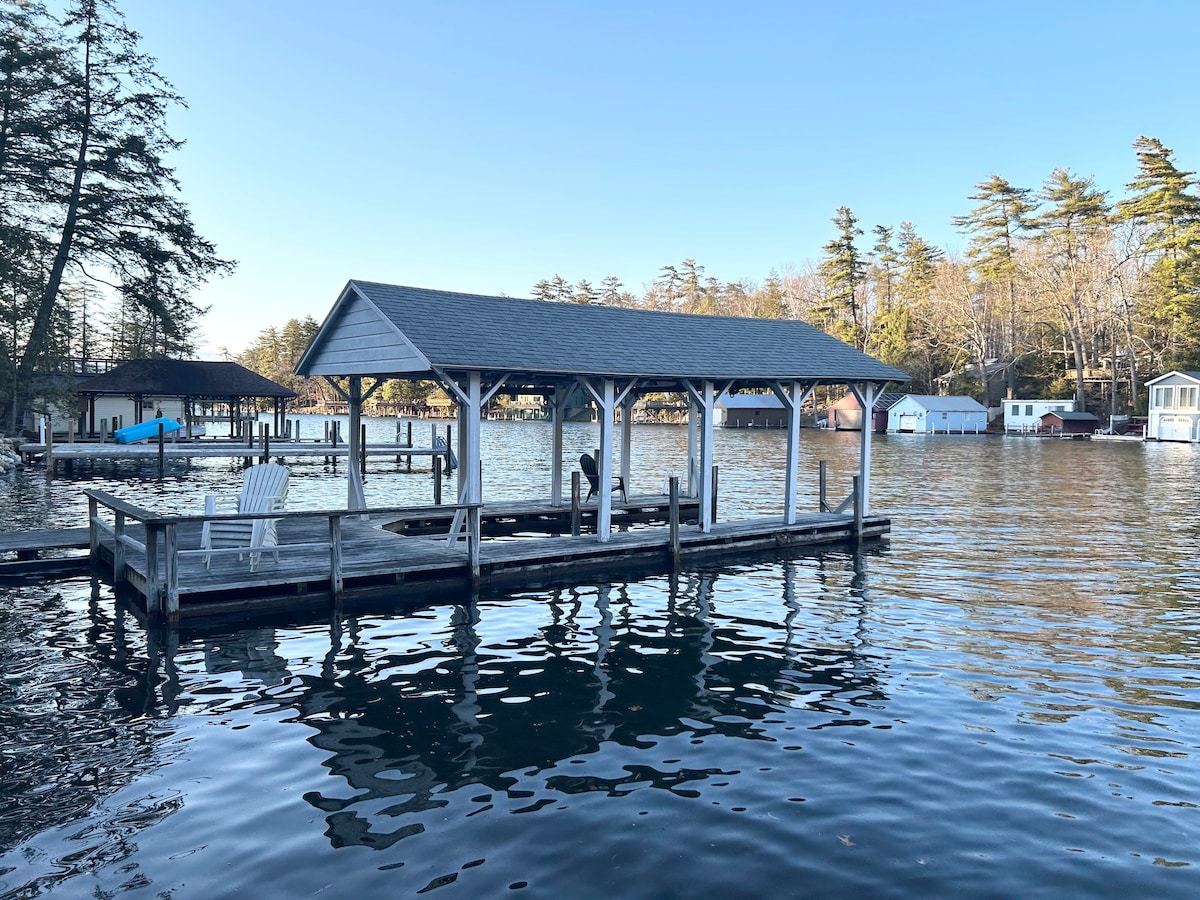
(481, 146)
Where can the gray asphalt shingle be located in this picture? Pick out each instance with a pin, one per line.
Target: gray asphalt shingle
(508, 334)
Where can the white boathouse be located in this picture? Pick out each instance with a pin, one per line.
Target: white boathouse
(1174, 410)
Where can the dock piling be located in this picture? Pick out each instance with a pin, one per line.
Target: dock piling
(576, 512)
(673, 522)
(161, 451)
(336, 580)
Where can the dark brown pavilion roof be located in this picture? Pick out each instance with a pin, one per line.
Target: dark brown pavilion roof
(183, 378)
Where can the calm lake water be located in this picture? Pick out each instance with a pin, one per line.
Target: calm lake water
(1002, 700)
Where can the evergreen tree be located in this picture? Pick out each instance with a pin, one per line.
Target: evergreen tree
(110, 204)
(1069, 232)
(844, 271)
(1164, 205)
(610, 290)
(994, 225)
(886, 261)
(542, 290)
(585, 293)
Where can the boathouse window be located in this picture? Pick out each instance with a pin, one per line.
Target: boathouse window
(1164, 397)
(1187, 398)
(1016, 411)
(1029, 409)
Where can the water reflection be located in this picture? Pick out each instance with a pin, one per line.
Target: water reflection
(406, 724)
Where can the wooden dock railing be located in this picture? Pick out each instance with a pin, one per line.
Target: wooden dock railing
(162, 536)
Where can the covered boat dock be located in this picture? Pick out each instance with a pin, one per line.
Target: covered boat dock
(476, 347)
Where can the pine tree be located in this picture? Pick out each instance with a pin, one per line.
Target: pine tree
(844, 271)
(1164, 205)
(994, 225)
(110, 205)
(1069, 232)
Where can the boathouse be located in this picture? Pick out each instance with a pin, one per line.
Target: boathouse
(470, 345)
(920, 414)
(751, 411)
(846, 413)
(1058, 422)
(1174, 411)
(143, 388)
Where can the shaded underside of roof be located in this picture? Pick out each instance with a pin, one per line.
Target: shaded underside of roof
(750, 401)
(1072, 416)
(183, 378)
(546, 339)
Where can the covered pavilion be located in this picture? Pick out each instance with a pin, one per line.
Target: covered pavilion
(189, 380)
(475, 346)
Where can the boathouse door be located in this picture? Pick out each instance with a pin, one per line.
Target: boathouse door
(908, 422)
(1175, 428)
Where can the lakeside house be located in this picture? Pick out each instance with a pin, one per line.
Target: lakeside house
(923, 414)
(1025, 416)
(1174, 411)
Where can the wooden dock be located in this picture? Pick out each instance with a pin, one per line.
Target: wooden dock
(324, 554)
(29, 551)
(218, 449)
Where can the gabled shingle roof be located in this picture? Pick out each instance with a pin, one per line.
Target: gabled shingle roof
(945, 404)
(183, 378)
(504, 334)
(1067, 416)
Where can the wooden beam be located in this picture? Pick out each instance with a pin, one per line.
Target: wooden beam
(865, 394)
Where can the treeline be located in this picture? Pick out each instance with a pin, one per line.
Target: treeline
(98, 255)
(1063, 291)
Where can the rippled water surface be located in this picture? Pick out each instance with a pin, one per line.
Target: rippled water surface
(1002, 700)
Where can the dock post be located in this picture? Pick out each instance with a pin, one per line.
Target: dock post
(265, 430)
(673, 528)
(362, 451)
(576, 512)
(161, 450)
(153, 587)
(437, 480)
(822, 506)
(714, 495)
(473, 529)
(858, 508)
(336, 582)
(171, 551)
(48, 441)
(93, 532)
(104, 431)
(118, 548)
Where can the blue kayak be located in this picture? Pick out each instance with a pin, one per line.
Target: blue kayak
(143, 430)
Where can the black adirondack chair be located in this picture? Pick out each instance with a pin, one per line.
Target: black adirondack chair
(592, 474)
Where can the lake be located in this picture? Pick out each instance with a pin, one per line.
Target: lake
(1001, 700)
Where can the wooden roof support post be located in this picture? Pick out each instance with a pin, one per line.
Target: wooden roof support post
(865, 394)
(468, 390)
(355, 499)
(792, 396)
(626, 436)
(693, 475)
(705, 398)
(558, 411)
(606, 399)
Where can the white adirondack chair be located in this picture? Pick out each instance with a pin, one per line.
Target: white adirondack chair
(264, 489)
